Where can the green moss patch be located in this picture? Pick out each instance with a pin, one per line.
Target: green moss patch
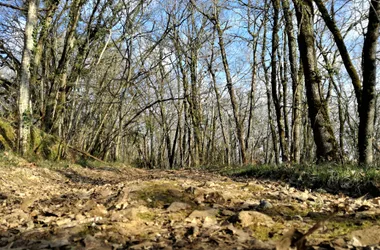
(160, 195)
(8, 136)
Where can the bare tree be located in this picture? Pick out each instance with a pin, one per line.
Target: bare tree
(322, 129)
(25, 110)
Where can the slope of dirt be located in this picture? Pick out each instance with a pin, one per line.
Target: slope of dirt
(124, 208)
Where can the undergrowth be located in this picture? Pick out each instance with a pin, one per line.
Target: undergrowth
(348, 179)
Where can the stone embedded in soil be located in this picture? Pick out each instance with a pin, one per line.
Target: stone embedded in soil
(210, 222)
(249, 204)
(178, 206)
(227, 212)
(132, 213)
(301, 196)
(365, 237)
(248, 218)
(265, 205)
(202, 214)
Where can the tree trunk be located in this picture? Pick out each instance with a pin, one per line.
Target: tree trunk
(330, 23)
(231, 91)
(25, 115)
(296, 86)
(320, 122)
(276, 99)
(367, 107)
(268, 95)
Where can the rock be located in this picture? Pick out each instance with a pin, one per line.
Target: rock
(248, 218)
(209, 222)
(355, 242)
(131, 213)
(339, 243)
(227, 212)
(249, 204)
(264, 205)
(202, 214)
(177, 206)
(321, 190)
(301, 196)
(365, 237)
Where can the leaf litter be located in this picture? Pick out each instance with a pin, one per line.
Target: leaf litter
(128, 208)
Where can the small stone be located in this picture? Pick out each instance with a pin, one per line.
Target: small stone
(264, 205)
(321, 190)
(227, 212)
(301, 196)
(131, 213)
(355, 242)
(178, 206)
(210, 221)
(340, 242)
(202, 214)
(248, 218)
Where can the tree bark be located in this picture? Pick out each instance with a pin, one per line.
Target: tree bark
(320, 122)
(25, 115)
(295, 150)
(276, 99)
(330, 23)
(231, 91)
(367, 107)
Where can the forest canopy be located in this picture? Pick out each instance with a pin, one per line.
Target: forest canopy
(162, 83)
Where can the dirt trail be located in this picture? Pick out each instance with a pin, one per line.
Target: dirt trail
(125, 208)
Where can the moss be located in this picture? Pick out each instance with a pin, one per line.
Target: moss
(337, 228)
(159, 195)
(264, 233)
(8, 136)
(287, 211)
(44, 145)
(147, 216)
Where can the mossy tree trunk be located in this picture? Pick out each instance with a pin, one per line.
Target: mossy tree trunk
(25, 115)
(318, 113)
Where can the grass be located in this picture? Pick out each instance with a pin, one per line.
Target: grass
(349, 179)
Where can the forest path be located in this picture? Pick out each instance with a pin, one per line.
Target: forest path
(126, 208)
